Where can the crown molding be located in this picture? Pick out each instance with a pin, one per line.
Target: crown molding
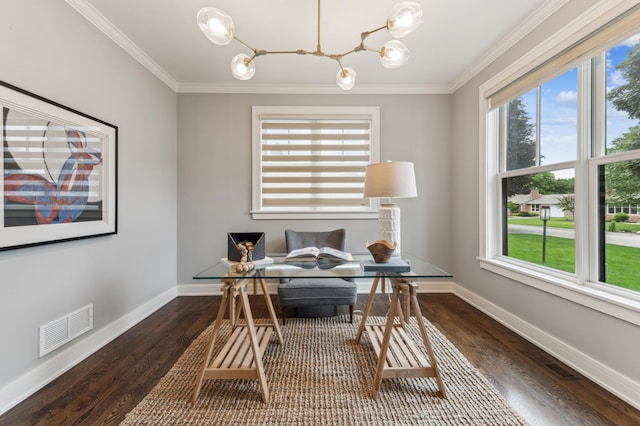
(313, 89)
(103, 24)
(534, 19)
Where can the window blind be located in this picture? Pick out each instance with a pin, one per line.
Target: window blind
(569, 56)
(309, 164)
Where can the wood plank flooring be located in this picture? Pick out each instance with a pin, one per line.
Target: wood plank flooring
(107, 385)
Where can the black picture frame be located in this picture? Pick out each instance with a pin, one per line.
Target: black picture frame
(59, 170)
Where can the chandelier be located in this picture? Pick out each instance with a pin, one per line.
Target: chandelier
(403, 19)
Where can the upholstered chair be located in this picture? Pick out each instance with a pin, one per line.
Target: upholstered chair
(316, 297)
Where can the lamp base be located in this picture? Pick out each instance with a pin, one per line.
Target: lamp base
(389, 225)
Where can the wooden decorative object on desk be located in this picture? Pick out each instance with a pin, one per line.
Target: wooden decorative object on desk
(381, 250)
(245, 248)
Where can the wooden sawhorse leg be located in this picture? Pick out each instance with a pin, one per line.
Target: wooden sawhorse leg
(228, 364)
(226, 295)
(367, 308)
(406, 361)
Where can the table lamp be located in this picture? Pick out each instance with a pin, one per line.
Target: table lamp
(392, 179)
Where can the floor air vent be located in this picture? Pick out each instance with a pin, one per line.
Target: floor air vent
(63, 330)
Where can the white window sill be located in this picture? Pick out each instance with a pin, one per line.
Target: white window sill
(314, 215)
(588, 295)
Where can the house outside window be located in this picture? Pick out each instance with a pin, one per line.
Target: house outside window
(567, 124)
(631, 210)
(309, 162)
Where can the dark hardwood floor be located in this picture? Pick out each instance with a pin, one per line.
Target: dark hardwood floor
(107, 385)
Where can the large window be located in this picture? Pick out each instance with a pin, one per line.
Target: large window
(563, 138)
(538, 137)
(310, 162)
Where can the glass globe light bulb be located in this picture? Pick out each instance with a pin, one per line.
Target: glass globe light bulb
(394, 54)
(242, 67)
(346, 78)
(216, 25)
(404, 18)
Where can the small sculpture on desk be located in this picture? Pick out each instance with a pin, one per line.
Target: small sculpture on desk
(245, 249)
(381, 250)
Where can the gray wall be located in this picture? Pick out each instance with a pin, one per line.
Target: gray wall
(214, 174)
(47, 48)
(605, 339)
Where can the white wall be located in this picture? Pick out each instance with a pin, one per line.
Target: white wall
(607, 346)
(214, 174)
(47, 48)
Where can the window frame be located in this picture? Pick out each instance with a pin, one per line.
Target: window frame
(370, 211)
(577, 287)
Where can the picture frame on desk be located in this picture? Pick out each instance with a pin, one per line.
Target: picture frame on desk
(59, 172)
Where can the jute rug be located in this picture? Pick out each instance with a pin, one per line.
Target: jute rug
(321, 377)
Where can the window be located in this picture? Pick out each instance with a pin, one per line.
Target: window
(309, 162)
(563, 131)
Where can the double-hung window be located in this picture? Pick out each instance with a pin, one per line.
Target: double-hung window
(562, 131)
(309, 162)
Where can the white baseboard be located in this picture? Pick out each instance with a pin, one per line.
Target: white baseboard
(27, 384)
(604, 376)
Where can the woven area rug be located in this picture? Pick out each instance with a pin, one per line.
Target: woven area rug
(321, 377)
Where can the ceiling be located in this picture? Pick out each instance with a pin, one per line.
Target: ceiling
(456, 39)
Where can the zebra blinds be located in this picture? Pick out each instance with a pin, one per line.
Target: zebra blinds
(314, 164)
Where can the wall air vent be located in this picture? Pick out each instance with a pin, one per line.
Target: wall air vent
(63, 330)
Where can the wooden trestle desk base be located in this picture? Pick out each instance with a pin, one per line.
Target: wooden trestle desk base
(398, 356)
(241, 356)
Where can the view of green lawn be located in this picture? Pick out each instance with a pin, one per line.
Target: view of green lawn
(621, 265)
(560, 222)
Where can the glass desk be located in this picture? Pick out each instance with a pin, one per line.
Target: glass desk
(241, 356)
(280, 269)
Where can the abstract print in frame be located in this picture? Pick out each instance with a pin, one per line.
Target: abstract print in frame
(59, 172)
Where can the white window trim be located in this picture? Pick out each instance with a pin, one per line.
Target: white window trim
(613, 302)
(311, 112)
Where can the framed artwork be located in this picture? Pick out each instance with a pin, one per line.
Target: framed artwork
(59, 172)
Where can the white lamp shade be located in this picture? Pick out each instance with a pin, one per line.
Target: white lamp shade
(393, 179)
(404, 18)
(216, 25)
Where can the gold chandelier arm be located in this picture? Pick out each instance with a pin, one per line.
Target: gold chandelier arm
(318, 51)
(276, 52)
(374, 50)
(318, 48)
(247, 45)
(366, 34)
(341, 55)
(262, 52)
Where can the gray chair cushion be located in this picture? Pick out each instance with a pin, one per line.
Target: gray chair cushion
(314, 291)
